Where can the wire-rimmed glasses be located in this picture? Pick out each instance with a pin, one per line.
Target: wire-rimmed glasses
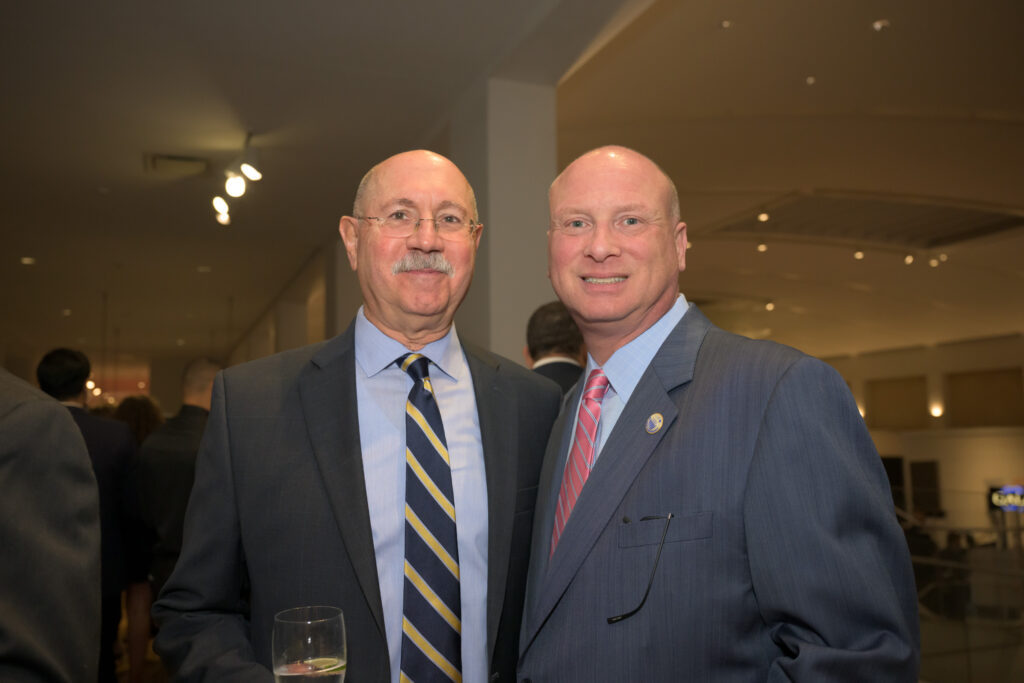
(661, 544)
(400, 224)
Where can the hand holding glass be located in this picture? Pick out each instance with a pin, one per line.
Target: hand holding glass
(309, 643)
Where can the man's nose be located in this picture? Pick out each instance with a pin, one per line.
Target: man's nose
(425, 235)
(603, 242)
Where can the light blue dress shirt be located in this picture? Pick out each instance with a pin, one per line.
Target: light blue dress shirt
(381, 392)
(626, 366)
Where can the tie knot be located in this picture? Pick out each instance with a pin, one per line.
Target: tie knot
(415, 364)
(596, 386)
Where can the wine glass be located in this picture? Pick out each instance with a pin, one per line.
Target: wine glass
(309, 643)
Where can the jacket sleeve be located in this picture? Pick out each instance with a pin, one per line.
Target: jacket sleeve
(830, 567)
(50, 535)
(202, 610)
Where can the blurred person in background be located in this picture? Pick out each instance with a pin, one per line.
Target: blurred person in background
(142, 415)
(62, 374)
(554, 345)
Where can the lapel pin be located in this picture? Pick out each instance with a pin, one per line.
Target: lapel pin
(654, 423)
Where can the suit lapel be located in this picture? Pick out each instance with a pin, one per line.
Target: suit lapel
(328, 390)
(625, 452)
(498, 420)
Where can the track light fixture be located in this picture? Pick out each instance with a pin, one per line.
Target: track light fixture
(244, 167)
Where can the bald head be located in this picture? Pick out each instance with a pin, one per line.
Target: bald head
(616, 156)
(197, 382)
(370, 181)
(616, 245)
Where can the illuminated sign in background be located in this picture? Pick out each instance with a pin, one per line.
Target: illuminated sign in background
(1010, 498)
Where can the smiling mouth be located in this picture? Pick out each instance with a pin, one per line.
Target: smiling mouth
(603, 280)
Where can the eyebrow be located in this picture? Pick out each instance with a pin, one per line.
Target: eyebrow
(445, 204)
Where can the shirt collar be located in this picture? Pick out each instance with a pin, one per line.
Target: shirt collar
(629, 363)
(547, 360)
(375, 351)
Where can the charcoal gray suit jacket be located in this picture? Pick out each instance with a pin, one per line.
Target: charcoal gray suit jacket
(278, 516)
(783, 560)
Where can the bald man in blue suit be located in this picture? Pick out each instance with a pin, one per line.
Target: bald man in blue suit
(732, 521)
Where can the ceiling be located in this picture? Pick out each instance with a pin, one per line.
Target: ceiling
(903, 140)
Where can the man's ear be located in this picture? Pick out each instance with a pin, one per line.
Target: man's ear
(527, 357)
(680, 235)
(349, 231)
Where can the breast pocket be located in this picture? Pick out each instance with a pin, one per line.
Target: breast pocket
(639, 531)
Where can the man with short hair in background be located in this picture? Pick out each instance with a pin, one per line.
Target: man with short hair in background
(167, 464)
(711, 507)
(554, 345)
(62, 373)
(390, 471)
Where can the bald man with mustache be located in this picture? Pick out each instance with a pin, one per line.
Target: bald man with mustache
(312, 487)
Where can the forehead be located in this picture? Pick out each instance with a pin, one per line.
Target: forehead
(608, 184)
(420, 182)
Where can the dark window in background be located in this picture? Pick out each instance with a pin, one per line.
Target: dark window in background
(894, 470)
(897, 403)
(924, 480)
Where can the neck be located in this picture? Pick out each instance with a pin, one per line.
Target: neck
(412, 337)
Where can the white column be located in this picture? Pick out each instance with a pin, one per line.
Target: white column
(502, 135)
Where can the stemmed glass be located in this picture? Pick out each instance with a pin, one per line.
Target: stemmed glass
(309, 643)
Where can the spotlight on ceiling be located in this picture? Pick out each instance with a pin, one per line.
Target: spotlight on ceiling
(859, 255)
(220, 205)
(908, 259)
(761, 248)
(224, 219)
(234, 185)
(763, 217)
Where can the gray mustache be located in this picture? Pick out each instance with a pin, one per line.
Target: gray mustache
(417, 260)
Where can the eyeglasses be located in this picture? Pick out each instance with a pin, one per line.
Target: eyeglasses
(449, 226)
(661, 544)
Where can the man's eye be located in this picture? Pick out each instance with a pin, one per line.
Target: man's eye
(575, 224)
(451, 219)
(632, 220)
(398, 216)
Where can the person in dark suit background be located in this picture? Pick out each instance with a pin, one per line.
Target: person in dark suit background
(167, 463)
(732, 521)
(62, 373)
(50, 535)
(302, 475)
(554, 345)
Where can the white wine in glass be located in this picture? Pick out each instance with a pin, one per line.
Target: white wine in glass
(308, 643)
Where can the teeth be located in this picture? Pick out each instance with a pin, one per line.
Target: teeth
(604, 280)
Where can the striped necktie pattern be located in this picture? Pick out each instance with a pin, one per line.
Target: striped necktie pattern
(431, 608)
(581, 457)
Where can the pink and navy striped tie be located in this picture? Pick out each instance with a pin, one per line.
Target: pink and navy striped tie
(581, 457)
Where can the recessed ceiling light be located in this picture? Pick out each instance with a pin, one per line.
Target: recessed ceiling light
(859, 255)
(934, 263)
(726, 23)
(220, 205)
(943, 257)
(28, 260)
(66, 312)
(880, 25)
(770, 306)
(96, 391)
(761, 248)
(763, 217)
(179, 342)
(810, 80)
(908, 259)
(90, 384)
(224, 218)
(141, 385)
(204, 269)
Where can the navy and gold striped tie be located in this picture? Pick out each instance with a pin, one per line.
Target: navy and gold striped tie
(431, 611)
